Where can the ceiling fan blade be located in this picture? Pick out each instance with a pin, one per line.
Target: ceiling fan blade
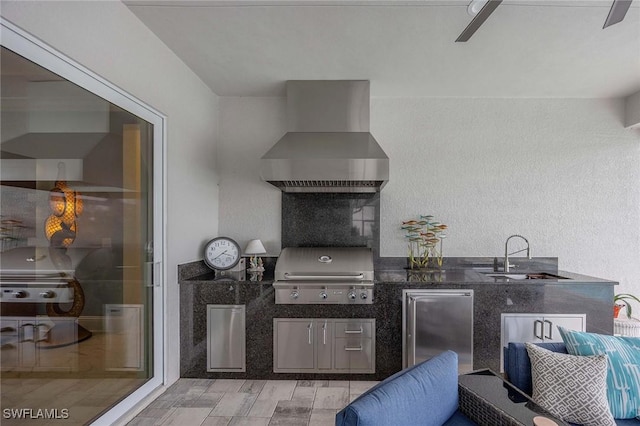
(479, 19)
(616, 13)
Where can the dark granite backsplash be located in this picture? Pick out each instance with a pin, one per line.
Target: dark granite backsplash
(331, 220)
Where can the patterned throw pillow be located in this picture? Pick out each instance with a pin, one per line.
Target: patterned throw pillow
(573, 388)
(623, 376)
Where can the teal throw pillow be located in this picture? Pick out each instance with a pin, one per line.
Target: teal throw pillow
(623, 375)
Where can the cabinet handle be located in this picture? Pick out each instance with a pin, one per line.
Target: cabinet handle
(309, 327)
(28, 332)
(537, 332)
(359, 348)
(324, 333)
(550, 336)
(354, 331)
(41, 332)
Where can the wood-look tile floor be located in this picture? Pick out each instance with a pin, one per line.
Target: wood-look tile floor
(251, 402)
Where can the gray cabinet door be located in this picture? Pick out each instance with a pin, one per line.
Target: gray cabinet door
(26, 344)
(522, 328)
(315, 345)
(9, 344)
(124, 337)
(226, 342)
(536, 328)
(294, 344)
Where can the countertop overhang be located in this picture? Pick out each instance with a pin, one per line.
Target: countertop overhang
(456, 271)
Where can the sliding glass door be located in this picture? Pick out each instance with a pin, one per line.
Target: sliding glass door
(80, 241)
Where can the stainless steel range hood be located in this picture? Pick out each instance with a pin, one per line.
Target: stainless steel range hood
(328, 147)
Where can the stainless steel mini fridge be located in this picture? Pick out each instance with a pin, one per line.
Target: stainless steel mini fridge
(437, 320)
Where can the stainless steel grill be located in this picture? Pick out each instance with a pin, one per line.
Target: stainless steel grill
(324, 275)
(38, 275)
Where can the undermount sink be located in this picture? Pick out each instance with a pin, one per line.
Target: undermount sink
(527, 276)
(512, 276)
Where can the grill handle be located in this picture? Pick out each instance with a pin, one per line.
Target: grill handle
(288, 276)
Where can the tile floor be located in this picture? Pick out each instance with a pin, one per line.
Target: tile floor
(85, 391)
(251, 402)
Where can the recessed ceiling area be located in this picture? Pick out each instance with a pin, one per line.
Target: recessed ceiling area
(538, 49)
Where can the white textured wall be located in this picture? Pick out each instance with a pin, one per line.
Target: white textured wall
(249, 207)
(564, 173)
(108, 39)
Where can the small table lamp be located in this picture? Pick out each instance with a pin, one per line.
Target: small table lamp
(254, 248)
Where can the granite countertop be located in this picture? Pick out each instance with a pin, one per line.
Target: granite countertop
(482, 276)
(455, 276)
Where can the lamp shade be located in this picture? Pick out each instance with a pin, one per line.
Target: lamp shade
(475, 6)
(255, 247)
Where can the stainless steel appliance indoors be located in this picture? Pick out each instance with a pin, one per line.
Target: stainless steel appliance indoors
(324, 275)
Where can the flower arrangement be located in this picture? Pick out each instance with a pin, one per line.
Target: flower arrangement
(622, 300)
(425, 237)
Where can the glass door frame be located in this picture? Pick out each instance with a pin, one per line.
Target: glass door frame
(24, 44)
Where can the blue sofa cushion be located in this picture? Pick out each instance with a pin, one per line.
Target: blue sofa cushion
(517, 365)
(425, 394)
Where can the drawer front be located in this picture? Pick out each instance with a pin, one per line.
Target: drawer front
(354, 353)
(354, 328)
(8, 327)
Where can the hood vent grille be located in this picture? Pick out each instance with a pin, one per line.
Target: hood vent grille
(328, 185)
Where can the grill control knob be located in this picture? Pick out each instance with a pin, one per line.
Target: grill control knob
(294, 294)
(47, 294)
(352, 295)
(363, 296)
(20, 294)
(323, 295)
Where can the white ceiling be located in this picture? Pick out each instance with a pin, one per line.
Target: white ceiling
(405, 48)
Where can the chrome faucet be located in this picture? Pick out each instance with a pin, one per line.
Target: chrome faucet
(507, 254)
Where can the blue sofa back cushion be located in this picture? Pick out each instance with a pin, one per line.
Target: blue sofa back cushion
(425, 394)
(517, 365)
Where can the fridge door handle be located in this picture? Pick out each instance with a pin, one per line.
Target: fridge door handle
(550, 335)
(537, 329)
(411, 335)
(441, 294)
